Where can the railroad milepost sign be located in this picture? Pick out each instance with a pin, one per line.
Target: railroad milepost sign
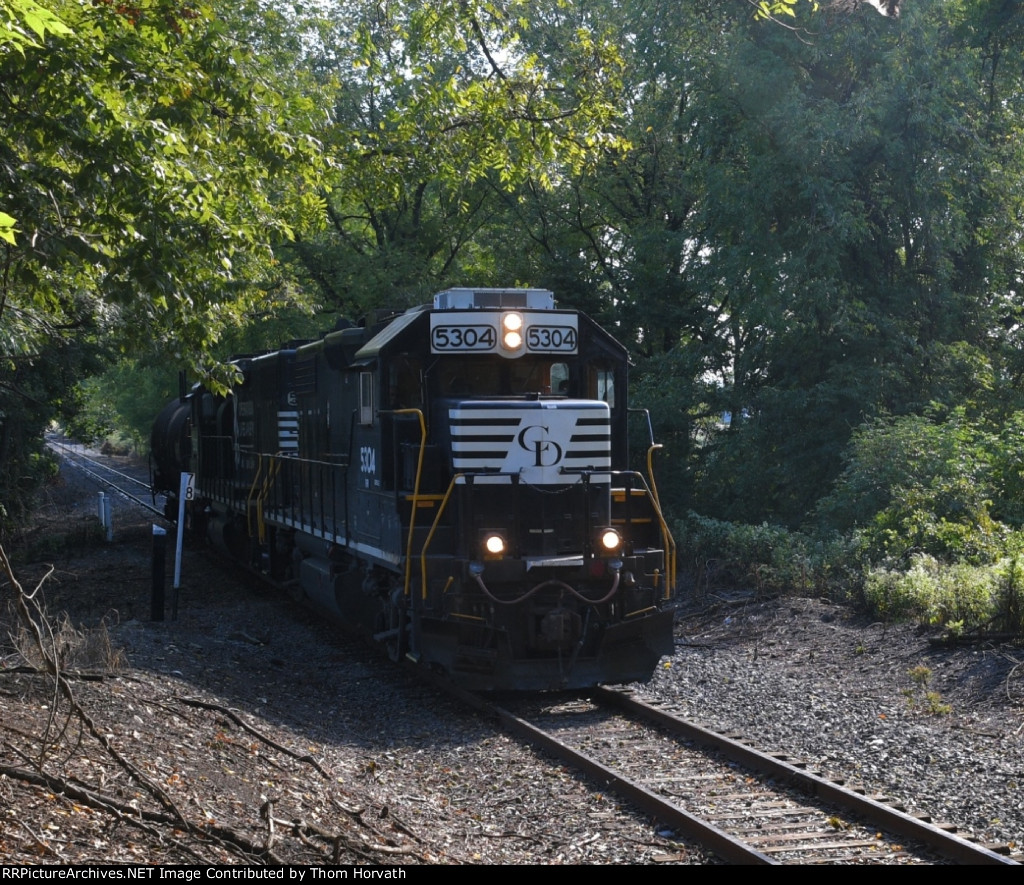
(186, 493)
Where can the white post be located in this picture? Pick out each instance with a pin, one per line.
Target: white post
(108, 517)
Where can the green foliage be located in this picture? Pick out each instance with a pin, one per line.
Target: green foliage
(789, 217)
(122, 402)
(933, 592)
(770, 9)
(1008, 603)
(768, 558)
(441, 112)
(920, 696)
(23, 23)
(919, 483)
(960, 598)
(149, 162)
(32, 394)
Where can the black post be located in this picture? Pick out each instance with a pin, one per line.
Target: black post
(156, 610)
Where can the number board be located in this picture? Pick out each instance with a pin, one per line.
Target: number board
(479, 332)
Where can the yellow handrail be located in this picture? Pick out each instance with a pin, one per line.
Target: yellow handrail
(268, 484)
(670, 548)
(650, 470)
(670, 544)
(433, 529)
(415, 494)
(252, 491)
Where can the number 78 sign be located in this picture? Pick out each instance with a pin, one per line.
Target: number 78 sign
(186, 492)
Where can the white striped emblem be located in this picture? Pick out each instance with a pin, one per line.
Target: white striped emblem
(544, 443)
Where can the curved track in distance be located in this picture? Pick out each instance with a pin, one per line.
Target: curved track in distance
(123, 484)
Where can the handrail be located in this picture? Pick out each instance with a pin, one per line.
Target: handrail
(670, 549)
(262, 485)
(415, 493)
(252, 491)
(670, 544)
(433, 529)
(650, 470)
(268, 484)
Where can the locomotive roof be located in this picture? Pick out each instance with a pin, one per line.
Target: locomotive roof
(486, 300)
(389, 333)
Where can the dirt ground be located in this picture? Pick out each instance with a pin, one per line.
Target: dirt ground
(249, 730)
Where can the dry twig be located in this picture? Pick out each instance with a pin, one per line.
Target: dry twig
(270, 742)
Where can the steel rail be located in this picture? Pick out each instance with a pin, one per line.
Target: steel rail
(66, 448)
(721, 843)
(728, 847)
(75, 459)
(947, 844)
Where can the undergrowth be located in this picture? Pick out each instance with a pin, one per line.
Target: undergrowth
(72, 647)
(957, 596)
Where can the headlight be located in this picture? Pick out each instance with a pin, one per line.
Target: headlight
(610, 540)
(494, 545)
(512, 331)
(512, 340)
(512, 322)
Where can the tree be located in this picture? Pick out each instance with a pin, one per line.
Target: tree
(871, 193)
(441, 111)
(149, 162)
(809, 229)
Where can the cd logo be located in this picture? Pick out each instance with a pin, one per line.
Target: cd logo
(534, 439)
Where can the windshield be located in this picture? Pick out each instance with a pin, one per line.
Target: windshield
(484, 376)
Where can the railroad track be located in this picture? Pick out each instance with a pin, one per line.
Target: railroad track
(126, 486)
(747, 806)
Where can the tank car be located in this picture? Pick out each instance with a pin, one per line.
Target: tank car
(452, 480)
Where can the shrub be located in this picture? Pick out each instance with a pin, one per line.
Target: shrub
(917, 484)
(72, 647)
(957, 596)
(1008, 604)
(769, 558)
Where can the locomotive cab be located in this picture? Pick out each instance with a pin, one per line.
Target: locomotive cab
(534, 557)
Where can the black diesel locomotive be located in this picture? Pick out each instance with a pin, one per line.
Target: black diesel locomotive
(451, 480)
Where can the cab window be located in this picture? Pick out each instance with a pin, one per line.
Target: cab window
(366, 398)
(601, 383)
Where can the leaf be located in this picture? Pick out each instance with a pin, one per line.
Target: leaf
(7, 229)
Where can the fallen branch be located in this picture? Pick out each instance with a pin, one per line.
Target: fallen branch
(270, 742)
(77, 675)
(302, 828)
(62, 689)
(141, 818)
